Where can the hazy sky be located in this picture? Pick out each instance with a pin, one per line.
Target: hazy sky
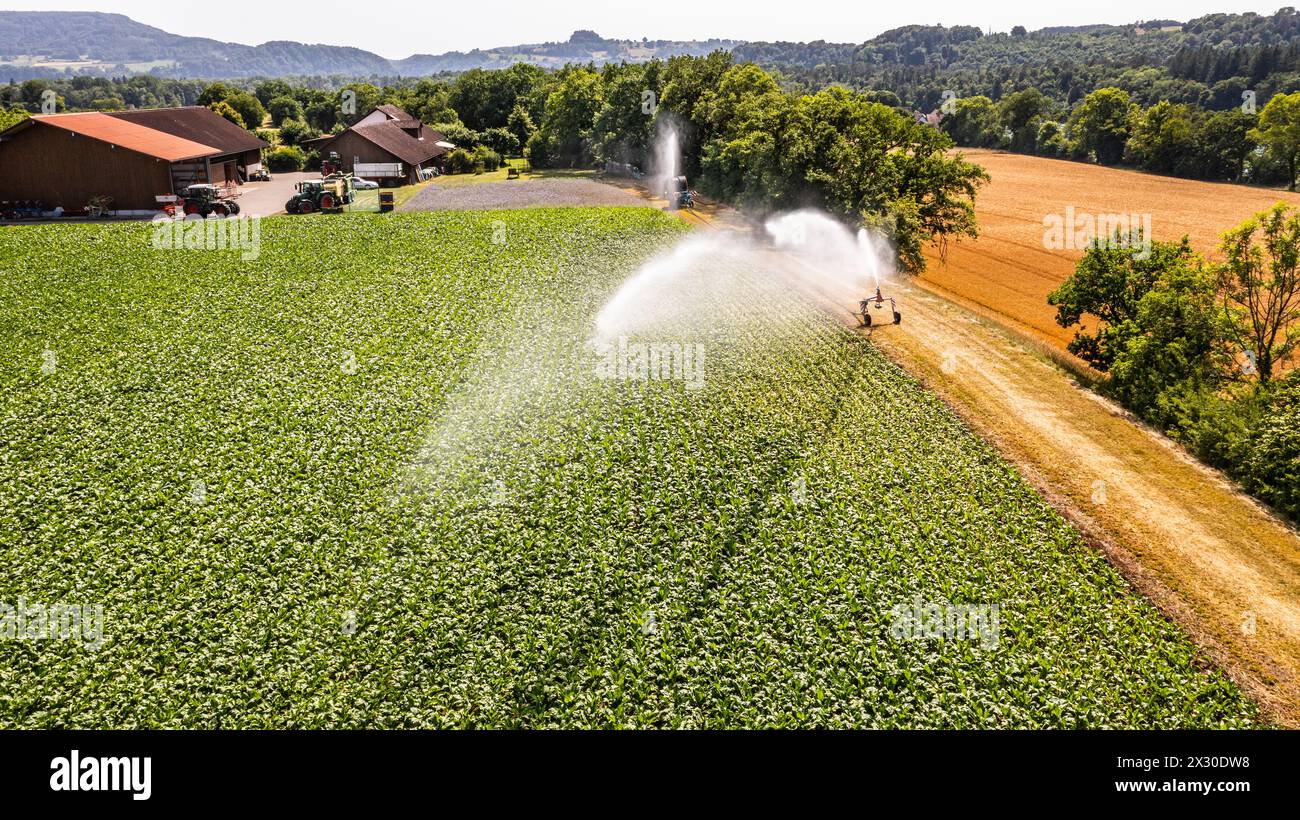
(399, 28)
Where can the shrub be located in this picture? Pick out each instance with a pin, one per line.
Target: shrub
(488, 159)
(1217, 428)
(539, 150)
(460, 161)
(1273, 469)
(286, 158)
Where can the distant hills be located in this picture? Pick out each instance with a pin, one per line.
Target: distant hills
(55, 43)
(1064, 59)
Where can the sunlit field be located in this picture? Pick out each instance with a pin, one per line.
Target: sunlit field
(389, 474)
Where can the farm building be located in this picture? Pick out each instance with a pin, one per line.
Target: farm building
(387, 145)
(66, 160)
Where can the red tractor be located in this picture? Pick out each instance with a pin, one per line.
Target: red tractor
(331, 165)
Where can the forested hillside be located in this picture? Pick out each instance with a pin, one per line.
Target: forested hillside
(1207, 62)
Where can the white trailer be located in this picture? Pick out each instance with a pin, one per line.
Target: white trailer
(378, 170)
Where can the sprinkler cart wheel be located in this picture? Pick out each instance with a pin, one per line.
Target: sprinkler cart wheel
(878, 302)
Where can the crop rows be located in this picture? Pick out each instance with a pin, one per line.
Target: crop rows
(419, 504)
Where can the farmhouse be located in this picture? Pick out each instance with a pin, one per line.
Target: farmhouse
(387, 145)
(66, 160)
(932, 119)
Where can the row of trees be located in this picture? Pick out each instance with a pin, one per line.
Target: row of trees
(84, 93)
(1168, 138)
(496, 122)
(1198, 349)
(747, 141)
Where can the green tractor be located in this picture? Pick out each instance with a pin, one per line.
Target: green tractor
(205, 199)
(328, 194)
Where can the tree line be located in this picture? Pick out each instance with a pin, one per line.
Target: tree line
(747, 141)
(1107, 127)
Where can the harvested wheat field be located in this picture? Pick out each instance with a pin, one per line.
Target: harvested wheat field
(1008, 271)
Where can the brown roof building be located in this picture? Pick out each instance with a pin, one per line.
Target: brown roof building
(387, 136)
(65, 160)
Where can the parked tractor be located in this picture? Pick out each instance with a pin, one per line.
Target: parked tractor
(327, 194)
(331, 165)
(205, 199)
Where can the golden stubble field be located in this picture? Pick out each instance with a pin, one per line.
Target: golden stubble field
(1009, 270)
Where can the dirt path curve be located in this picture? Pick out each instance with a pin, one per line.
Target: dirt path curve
(1213, 559)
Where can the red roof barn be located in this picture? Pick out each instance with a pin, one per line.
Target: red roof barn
(387, 136)
(65, 160)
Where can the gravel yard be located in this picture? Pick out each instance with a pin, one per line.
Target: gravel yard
(527, 193)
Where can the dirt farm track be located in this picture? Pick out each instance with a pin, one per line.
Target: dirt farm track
(1008, 272)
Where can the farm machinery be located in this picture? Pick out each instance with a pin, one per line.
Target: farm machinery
(200, 199)
(877, 302)
(679, 194)
(328, 194)
(331, 165)
(205, 199)
(21, 209)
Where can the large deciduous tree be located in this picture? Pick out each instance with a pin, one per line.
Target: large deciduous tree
(1260, 280)
(1103, 294)
(1101, 124)
(1153, 324)
(1279, 131)
(571, 108)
